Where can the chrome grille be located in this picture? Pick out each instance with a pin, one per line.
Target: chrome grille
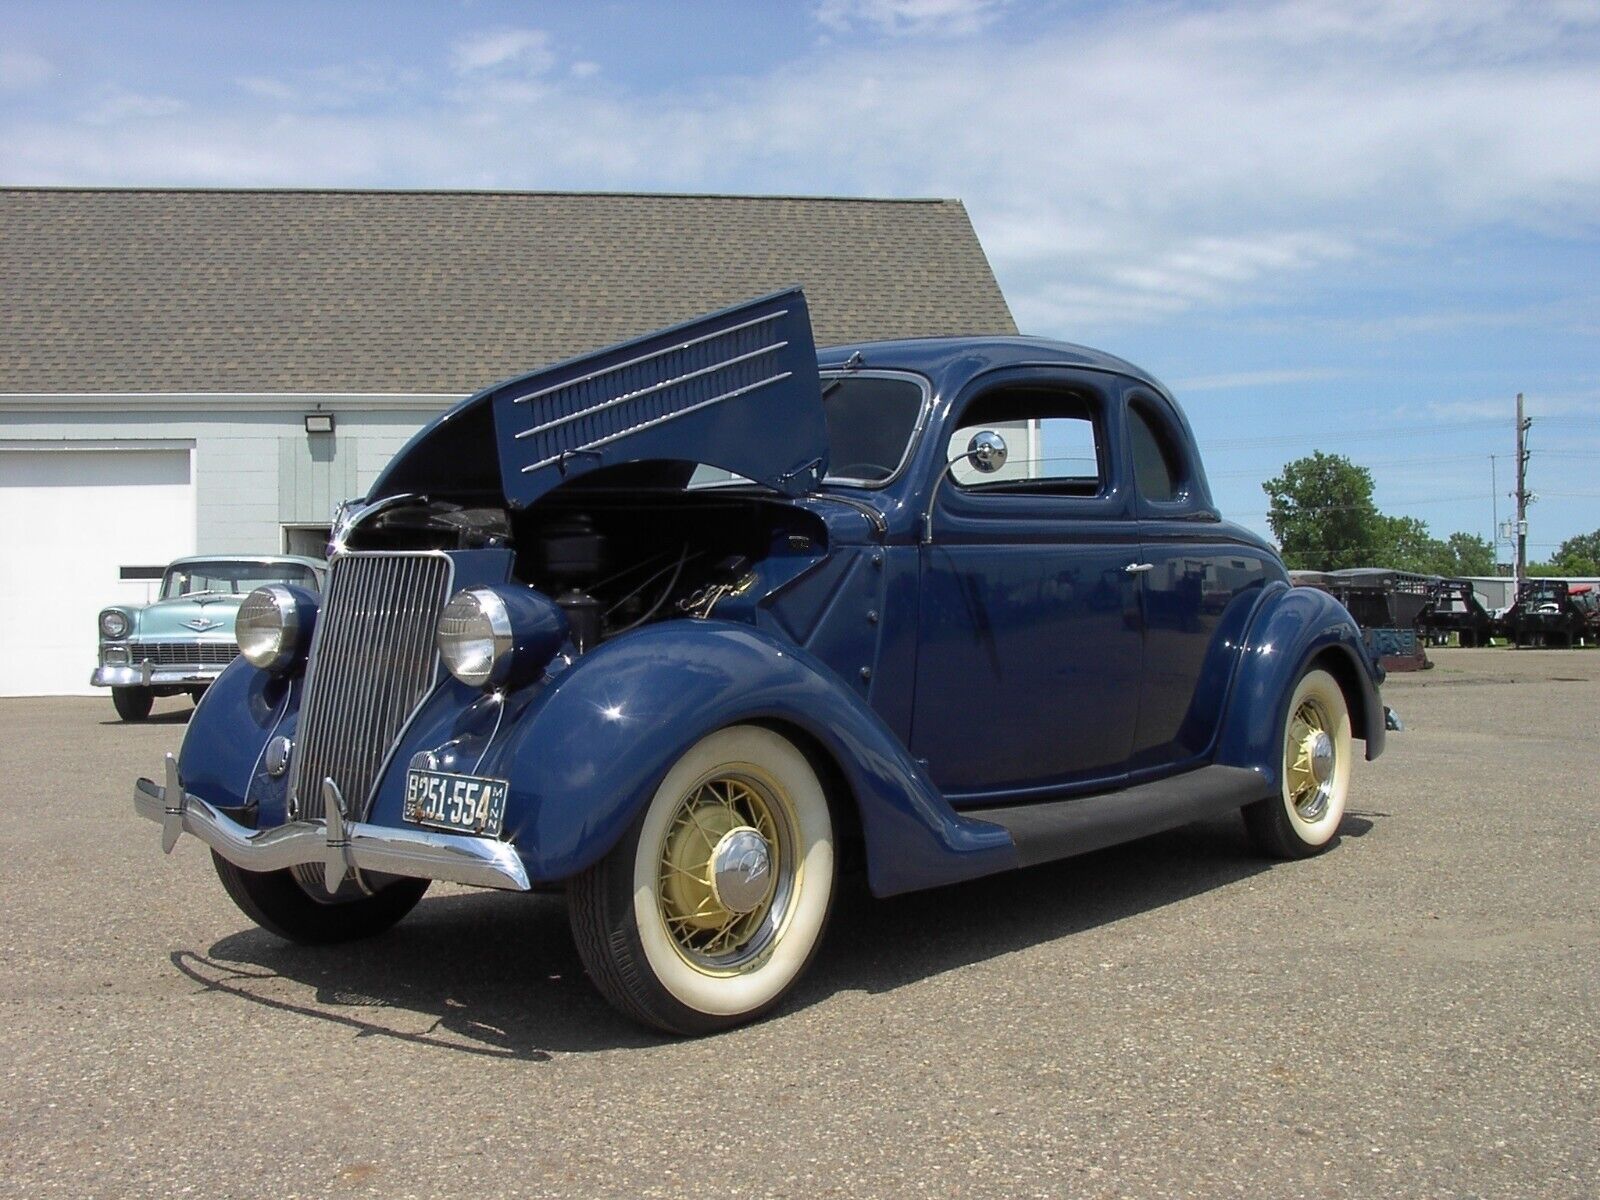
(372, 661)
(163, 654)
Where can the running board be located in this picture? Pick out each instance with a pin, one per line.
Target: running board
(1056, 829)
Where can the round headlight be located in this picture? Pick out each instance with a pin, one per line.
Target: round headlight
(269, 627)
(475, 637)
(114, 624)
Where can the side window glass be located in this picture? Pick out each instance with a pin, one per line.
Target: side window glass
(1055, 443)
(1157, 469)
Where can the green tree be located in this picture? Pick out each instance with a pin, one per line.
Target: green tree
(1578, 555)
(1469, 554)
(1403, 543)
(1322, 513)
(1324, 518)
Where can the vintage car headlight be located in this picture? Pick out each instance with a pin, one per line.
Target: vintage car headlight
(494, 636)
(273, 627)
(114, 624)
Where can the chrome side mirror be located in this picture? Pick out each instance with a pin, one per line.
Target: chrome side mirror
(987, 451)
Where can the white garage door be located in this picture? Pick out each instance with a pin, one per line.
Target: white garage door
(72, 519)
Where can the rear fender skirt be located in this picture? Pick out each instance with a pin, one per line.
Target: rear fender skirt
(589, 751)
(1293, 627)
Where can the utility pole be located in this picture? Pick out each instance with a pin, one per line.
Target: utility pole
(1494, 512)
(1523, 424)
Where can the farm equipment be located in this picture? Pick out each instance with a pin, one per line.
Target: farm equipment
(1548, 613)
(1452, 607)
(1386, 604)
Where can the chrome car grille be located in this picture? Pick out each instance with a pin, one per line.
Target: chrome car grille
(373, 660)
(163, 654)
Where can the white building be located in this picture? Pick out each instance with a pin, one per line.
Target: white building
(212, 371)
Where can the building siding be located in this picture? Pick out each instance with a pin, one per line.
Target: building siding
(254, 471)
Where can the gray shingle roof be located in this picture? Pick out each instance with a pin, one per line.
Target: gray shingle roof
(315, 291)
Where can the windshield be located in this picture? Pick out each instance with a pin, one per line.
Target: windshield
(871, 420)
(231, 578)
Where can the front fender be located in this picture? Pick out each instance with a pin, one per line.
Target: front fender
(1293, 627)
(220, 759)
(586, 754)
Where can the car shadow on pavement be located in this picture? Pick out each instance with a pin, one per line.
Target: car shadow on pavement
(487, 974)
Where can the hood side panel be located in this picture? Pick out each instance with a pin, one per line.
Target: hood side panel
(737, 390)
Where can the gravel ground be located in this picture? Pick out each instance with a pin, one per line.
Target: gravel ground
(1414, 1013)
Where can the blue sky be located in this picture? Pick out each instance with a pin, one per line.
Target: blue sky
(1357, 227)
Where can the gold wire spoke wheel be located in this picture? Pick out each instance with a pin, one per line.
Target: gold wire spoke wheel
(709, 909)
(1303, 818)
(1309, 760)
(726, 871)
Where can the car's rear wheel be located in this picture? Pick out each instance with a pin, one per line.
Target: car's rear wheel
(711, 906)
(1314, 776)
(295, 905)
(132, 703)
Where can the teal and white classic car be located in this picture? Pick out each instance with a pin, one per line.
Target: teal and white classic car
(183, 640)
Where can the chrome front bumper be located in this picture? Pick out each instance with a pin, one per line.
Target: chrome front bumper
(339, 844)
(147, 674)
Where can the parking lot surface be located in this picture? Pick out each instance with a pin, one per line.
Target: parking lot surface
(1414, 1013)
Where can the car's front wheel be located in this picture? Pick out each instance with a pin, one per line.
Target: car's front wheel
(132, 703)
(294, 905)
(713, 903)
(1314, 775)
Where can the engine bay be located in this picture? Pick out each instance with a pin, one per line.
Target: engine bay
(614, 559)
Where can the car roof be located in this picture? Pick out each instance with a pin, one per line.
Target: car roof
(303, 560)
(940, 358)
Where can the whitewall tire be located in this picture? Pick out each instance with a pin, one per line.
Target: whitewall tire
(1314, 772)
(713, 903)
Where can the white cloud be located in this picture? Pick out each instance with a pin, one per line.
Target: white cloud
(127, 106)
(914, 18)
(348, 85)
(524, 50)
(1257, 379)
(1128, 166)
(22, 69)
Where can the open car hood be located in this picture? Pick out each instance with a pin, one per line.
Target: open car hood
(737, 389)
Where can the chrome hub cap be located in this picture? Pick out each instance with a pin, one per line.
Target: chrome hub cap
(1320, 752)
(725, 873)
(740, 868)
(1310, 761)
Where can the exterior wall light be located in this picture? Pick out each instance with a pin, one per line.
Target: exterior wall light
(319, 422)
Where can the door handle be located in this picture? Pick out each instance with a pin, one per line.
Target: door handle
(1138, 568)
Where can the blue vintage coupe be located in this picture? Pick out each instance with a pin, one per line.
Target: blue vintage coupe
(677, 627)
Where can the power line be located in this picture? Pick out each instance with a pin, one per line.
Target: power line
(1319, 509)
(1393, 462)
(1300, 439)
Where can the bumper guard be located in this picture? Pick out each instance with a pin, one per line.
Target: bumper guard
(339, 844)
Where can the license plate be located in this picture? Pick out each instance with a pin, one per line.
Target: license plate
(462, 803)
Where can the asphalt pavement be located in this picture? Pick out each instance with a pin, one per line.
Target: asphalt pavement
(1414, 1013)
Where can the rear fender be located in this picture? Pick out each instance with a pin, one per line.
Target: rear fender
(1293, 627)
(588, 752)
